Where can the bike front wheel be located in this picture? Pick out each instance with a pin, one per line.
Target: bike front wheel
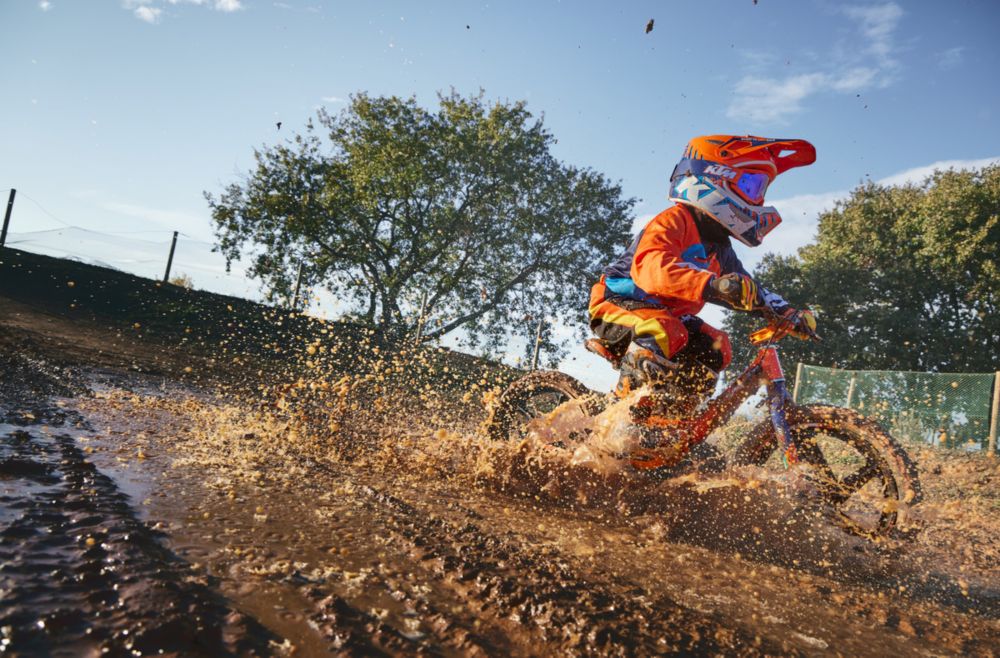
(858, 468)
(535, 395)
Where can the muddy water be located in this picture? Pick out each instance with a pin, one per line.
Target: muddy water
(440, 544)
(81, 575)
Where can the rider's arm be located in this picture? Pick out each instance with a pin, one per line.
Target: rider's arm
(662, 268)
(730, 263)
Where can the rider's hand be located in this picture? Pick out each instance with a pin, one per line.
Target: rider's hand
(804, 323)
(737, 291)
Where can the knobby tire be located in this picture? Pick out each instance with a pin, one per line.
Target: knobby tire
(882, 454)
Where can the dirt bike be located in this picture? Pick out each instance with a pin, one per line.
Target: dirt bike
(860, 471)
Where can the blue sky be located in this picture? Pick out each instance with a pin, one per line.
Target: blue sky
(117, 114)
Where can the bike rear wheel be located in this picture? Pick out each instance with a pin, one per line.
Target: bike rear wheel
(535, 395)
(858, 469)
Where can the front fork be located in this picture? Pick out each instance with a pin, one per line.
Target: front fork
(777, 397)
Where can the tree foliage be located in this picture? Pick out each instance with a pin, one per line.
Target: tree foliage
(387, 202)
(905, 278)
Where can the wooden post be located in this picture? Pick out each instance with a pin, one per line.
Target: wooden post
(420, 318)
(798, 380)
(992, 445)
(850, 390)
(170, 258)
(6, 218)
(298, 286)
(538, 345)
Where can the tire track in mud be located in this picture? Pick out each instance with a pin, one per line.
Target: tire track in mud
(474, 591)
(80, 574)
(538, 596)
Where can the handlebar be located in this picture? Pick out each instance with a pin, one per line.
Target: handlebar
(779, 327)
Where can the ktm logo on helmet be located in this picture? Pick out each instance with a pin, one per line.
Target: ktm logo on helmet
(720, 170)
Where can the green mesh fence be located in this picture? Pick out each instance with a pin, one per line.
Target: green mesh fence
(943, 409)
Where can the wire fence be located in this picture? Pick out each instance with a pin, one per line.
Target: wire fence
(144, 250)
(148, 250)
(145, 256)
(949, 410)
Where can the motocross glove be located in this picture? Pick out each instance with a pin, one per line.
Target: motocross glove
(804, 323)
(737, 291)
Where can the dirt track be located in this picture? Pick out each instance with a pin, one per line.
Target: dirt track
(140, 513)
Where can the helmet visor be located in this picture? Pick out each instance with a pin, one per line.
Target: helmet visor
(751, 185)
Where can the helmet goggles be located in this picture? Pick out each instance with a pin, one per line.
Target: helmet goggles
(749, 184)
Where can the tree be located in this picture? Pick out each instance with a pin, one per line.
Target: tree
(387, 203)
(905, 278)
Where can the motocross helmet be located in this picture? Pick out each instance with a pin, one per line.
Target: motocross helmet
(726, 176)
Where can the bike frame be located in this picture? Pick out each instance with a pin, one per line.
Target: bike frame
(765, 369)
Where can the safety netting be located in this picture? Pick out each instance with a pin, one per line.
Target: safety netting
(950, 410)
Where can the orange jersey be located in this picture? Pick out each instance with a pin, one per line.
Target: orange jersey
(668, 264)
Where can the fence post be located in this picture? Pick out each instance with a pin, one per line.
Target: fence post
(420, 319)
(170, 258)
(798, 378)
(850, 390)
(538, 345)
(992, 445)
(298, 286)
(6, 218)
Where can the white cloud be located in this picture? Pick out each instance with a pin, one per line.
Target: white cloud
(877, 23)
(333, 99)
(150, 10)
(854, 66)
(918, 174)
(854, 79)
(951, 58)
(767, 99)
(45, 5)
(148, 14)
(218, 5)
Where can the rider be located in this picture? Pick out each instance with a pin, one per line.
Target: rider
(643, 308)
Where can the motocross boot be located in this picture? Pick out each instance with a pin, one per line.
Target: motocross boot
(675, 388)
(640, 366)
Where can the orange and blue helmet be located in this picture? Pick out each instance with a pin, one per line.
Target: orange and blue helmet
(726, 176)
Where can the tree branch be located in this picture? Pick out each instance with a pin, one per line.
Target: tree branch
(490, 304)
